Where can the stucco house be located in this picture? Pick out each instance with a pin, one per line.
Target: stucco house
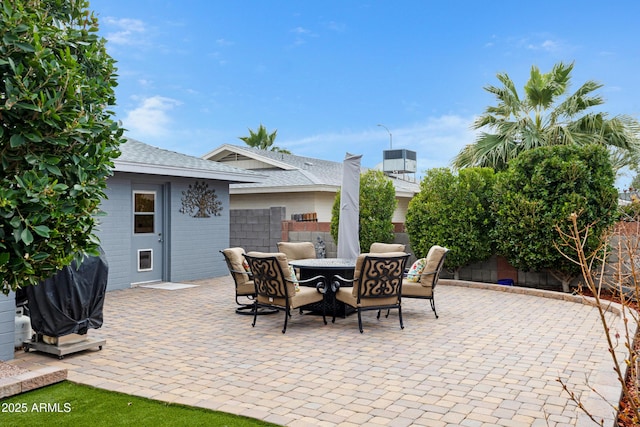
(300, 184)
(166, 216)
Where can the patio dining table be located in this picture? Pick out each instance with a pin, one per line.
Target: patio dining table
(326, 267)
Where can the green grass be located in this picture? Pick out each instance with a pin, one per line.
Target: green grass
(71, 404)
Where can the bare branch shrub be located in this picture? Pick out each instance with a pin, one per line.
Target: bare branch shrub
(612, 272)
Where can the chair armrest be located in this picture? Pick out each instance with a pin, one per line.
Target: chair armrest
(337, 280)
(242, 272)
(321, 283)
(428, 273)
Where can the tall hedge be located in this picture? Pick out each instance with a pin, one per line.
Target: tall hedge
(57, 137)
(539, 191)
(453, 211)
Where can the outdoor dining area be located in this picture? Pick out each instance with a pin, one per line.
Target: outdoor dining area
(295, 279)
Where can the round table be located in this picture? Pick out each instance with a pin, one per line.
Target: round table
(326, 267)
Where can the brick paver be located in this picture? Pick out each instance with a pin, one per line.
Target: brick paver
(492, 358)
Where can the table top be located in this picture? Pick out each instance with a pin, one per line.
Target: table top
(320, 263)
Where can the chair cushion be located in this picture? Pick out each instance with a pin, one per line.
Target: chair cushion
(386, 247)
(303, 297)
(247, 288)
(236, 259)
(306, 295)
(297, 250)
(416, 270)
(346, 296)
(413, 289)
(433, 259)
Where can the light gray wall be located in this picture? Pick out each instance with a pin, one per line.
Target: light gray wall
(196, 242)
(193, 244)
(115, 230)
(7, 326)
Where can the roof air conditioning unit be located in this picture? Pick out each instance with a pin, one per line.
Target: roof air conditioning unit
(399, 161)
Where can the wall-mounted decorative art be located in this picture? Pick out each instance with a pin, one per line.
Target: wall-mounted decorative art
(200, 202)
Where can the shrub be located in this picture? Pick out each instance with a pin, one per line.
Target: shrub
(453, 211)
(541, 189)
(56, 134)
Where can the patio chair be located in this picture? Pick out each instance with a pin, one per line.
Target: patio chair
(241, 277)
(277, 288)
(377, 248)
(297, 250)
(423, 276)
(377, 284)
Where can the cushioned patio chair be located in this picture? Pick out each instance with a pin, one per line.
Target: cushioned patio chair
(277, 288)
(377, 284)
(377, 248)
(423, 276)
(241, 277)
(297, 250)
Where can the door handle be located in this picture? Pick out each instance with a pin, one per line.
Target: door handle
(160, 237)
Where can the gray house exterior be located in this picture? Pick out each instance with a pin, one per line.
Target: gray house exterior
(166, 216)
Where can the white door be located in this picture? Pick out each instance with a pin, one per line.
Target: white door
(148, 241)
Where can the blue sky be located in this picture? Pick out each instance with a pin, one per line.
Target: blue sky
(197, 74)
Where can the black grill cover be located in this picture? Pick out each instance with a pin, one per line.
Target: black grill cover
(71, 301)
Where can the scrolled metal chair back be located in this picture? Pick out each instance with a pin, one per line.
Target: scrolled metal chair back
(268, 277)
(381, 277)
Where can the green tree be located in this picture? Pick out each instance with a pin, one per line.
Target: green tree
(453, 211)
(535, 198)
(540, 119)
(377, 205)
(57, 138)
(263, 140)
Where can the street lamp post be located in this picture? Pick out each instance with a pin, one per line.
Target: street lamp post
(390, 136)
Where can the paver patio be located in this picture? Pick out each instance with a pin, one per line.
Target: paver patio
(492, 358)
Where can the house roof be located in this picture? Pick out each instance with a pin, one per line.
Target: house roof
(139, 157)
(290, 173)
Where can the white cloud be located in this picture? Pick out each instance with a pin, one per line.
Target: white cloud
(336, 26)
(301, 30)
(302, 34)
(436, 141)
(151, 118)
(546, 45)
(224, 42)
(127, 31)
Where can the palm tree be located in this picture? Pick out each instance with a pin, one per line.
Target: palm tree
(263, 140)
(516, 124)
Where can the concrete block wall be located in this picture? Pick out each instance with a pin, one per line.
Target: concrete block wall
(256, 229)
(7, 326)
